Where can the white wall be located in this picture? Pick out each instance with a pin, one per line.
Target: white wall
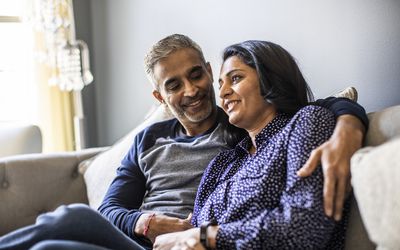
(336, 42)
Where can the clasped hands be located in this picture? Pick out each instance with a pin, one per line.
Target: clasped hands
(169, 232)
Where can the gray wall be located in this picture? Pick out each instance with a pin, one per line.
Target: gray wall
(337, 43)
(83, 31)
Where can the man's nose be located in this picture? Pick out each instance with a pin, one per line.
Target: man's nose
(191, 89)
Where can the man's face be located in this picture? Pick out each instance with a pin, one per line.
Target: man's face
(185, 84)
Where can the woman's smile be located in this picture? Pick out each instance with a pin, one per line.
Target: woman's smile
(230, 105)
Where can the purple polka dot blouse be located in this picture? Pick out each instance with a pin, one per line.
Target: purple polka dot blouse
(259, 201)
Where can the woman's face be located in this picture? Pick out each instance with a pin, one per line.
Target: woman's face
(240, 94)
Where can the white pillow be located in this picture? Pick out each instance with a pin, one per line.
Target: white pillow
(349, 92)
(101, 170)
(375, 175)
(383, 125)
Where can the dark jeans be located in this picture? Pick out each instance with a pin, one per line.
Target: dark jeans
(69, 227)
(65, 245)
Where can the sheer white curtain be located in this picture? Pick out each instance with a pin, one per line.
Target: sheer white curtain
(63, 71)
(43, 69)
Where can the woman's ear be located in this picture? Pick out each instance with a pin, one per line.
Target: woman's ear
(158, 96)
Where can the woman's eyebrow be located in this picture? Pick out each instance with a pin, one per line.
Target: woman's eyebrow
(228, 74)
(232, 71)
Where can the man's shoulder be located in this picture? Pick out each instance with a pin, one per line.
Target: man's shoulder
(147, 136)
(161, 128)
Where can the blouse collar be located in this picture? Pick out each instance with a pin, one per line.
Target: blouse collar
(265, 134)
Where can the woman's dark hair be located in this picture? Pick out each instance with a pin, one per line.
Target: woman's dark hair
(232, 134)
(281, 82)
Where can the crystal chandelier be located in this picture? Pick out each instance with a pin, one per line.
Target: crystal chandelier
(67, 57)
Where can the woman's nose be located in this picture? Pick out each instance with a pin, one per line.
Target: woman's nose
(224, 90)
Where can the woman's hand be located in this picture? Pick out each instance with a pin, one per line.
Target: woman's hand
(335, 155)
(189, 239)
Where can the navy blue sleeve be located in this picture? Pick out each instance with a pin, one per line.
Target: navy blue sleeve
(125, 195)
(344, 106)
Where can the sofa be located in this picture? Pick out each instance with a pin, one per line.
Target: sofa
(19, 138)
(36, 183)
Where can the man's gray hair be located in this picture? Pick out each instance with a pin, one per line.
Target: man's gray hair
(164, 48)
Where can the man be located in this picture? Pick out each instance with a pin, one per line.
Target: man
(156, 183)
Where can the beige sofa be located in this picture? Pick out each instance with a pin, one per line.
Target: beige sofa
(36, 183)
(19, 138)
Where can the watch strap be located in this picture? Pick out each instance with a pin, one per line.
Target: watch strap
(203, 233)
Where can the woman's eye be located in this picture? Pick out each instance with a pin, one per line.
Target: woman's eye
(236, 78)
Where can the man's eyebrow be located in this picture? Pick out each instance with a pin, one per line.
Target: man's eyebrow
(170, 80)
(195, 68)
(191, 70)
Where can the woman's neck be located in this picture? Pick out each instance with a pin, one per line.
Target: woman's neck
(258, 125)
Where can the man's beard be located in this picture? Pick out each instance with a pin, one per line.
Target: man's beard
(199, 116)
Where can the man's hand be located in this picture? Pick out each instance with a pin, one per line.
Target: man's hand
(334, 155)
(161, 224)
(189, 239)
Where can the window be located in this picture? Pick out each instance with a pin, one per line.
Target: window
(17, 95)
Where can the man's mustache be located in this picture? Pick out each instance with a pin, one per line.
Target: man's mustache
(189, 100)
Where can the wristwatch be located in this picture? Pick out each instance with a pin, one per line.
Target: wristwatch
(203, 232)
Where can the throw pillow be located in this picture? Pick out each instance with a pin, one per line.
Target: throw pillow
(99, 171)
(383, 125)
(375, 175)
(349, 92)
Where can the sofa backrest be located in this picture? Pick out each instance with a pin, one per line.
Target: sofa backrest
(32, 184)
(384, 125)
(374, 170)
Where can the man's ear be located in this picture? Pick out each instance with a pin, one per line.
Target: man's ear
(158, 96)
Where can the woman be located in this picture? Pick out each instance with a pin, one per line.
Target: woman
(252, 194)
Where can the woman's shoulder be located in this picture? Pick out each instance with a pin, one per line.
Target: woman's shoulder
(312, 118)
(313, 111)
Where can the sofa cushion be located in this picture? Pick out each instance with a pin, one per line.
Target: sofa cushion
(376, 182)
(31, 184)
(383, 125)
(99, 171)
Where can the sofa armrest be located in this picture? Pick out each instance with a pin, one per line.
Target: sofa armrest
(35, 183)
(18, 138)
